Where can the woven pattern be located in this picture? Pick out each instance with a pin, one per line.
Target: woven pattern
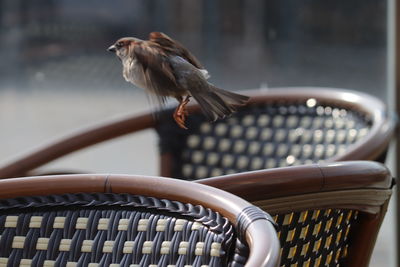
(112, 230)
(315, 237)
(263, 136)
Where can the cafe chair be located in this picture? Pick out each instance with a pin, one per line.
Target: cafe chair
(278, 127)
(121, 220)
(328, 214)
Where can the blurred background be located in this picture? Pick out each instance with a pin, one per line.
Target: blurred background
(56, 76)
(53, 44)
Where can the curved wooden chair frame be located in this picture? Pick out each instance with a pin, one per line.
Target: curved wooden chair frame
(356, 190)
(372, 147)
(249, 221)
(362, 186)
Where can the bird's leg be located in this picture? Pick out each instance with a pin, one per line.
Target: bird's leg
(180, 112)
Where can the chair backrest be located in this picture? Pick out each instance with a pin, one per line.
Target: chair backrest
(106, 220)
(278, 128)
(327, 215)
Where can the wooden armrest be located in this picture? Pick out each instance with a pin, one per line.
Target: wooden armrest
(76, 141)
(306, 180)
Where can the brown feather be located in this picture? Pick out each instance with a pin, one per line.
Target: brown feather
(173, 47)
(158, 75)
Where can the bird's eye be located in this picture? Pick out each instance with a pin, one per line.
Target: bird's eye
(119, 44)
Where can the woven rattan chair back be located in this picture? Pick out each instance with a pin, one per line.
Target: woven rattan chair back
(317, 237)
(124, 229)
(275, 130)
(279, 127)
(327, 215)
(97, 231)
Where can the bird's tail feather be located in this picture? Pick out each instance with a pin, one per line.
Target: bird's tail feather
(230, 97)
(217, 103)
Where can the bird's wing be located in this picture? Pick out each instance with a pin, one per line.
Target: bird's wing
(192, 79)
(157, 72)
(214, 102)
(173, 47)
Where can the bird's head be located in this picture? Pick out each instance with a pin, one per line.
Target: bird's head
(123, 46)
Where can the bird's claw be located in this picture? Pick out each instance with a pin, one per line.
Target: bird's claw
(180, 117)
(181, 113)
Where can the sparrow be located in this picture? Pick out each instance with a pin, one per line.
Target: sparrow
(165, 68)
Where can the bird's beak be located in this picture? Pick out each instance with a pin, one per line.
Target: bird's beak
(112, 48)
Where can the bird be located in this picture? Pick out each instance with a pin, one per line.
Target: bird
(164, 68)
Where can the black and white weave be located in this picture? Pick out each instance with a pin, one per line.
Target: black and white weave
(114, 230)
(261, 136)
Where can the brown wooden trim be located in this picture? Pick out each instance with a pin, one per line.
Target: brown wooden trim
(46, 185)
(365, 200)
(306, 179)
(169, 188)
(180, 190)
(166, 162)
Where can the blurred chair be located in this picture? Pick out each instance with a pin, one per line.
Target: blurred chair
(114, 220)
(327, 214)
(279, 127)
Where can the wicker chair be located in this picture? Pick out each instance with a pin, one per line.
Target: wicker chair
(279, 127)
(111, 220)
(327, 214)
